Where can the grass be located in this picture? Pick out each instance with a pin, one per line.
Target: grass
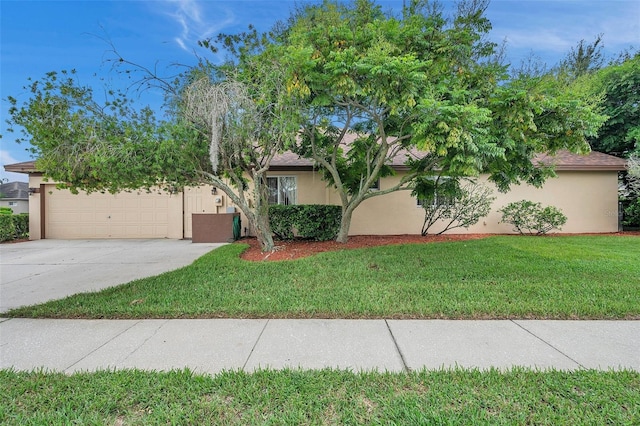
(293, 397)
(585, 277)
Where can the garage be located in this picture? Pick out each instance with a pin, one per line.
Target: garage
(137, 214)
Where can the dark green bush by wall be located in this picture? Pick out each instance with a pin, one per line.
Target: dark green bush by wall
(21, 222)
(14, 227)
(317, 222)
(7, 228)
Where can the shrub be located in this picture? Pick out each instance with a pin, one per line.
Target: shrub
(6, 210)
(7, 228)
(14, 226)
(317, 222)
(21, 223)
(531, 218)
(468, 204)
(632, 214)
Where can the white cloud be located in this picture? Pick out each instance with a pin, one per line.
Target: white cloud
(551, 28)
(198, 20)
(7, 158)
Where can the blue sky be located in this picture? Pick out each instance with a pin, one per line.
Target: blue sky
(41, 36)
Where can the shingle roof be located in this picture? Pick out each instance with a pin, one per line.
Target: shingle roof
(15, 190)
(563, 160)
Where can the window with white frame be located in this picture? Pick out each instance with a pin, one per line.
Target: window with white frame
(439, 199)
(13, 203)
(282, 190)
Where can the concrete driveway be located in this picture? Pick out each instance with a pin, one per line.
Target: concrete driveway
(37, 271)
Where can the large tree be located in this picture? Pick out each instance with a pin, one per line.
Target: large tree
(620, 85)
(378, 86)
(226, 123)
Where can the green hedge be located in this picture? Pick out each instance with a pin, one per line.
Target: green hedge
(21, 222)
(632, 214)
(14, 227)
(317, 222)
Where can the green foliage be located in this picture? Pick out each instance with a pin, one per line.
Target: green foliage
(529, 217)
(427, 81)
(84, 144)
(7, 228)
(456, 206)
(21, 222)
(309, 221)
(632, 214)
(583, 59)
(13, 227)
(6, 210)
(620, 84)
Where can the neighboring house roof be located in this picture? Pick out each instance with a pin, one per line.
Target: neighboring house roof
(563, 160)
(15, 191)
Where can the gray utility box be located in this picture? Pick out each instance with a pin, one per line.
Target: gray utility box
(212, 228)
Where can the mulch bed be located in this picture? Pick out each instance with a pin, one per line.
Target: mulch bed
(288, 250)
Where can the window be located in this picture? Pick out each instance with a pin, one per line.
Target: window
(13, 204)
(440, 198)
(437, 201)
(282, 190)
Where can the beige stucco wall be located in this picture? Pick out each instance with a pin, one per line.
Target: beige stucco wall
(311, 190)
(34, 208)
(588, 199)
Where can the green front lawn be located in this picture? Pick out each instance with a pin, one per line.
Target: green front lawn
(326, 397)
(556, 277)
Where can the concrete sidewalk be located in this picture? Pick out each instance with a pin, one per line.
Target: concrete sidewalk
(209, 346)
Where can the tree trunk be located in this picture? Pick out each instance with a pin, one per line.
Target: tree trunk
(345, 223)
(263, 232)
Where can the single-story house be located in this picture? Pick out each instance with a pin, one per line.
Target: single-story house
(586, 190)
(15, 195)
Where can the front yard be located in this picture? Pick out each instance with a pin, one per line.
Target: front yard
(584, 277)
(569, 277)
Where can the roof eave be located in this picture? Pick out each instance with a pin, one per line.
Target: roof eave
(26, 167)
(585, 168)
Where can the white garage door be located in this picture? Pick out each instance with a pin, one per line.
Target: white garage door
(124, 215)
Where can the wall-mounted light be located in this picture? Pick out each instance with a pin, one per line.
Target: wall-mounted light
(214, 190)
(34, 191)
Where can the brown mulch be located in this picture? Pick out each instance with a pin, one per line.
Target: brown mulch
(288, 250)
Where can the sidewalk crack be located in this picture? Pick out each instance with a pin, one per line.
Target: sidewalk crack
(405, 367)
(146, 340)
(255, 344)
(104, 344)
(548, 344)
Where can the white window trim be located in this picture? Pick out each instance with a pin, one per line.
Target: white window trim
(295, 178)
(435, 199)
